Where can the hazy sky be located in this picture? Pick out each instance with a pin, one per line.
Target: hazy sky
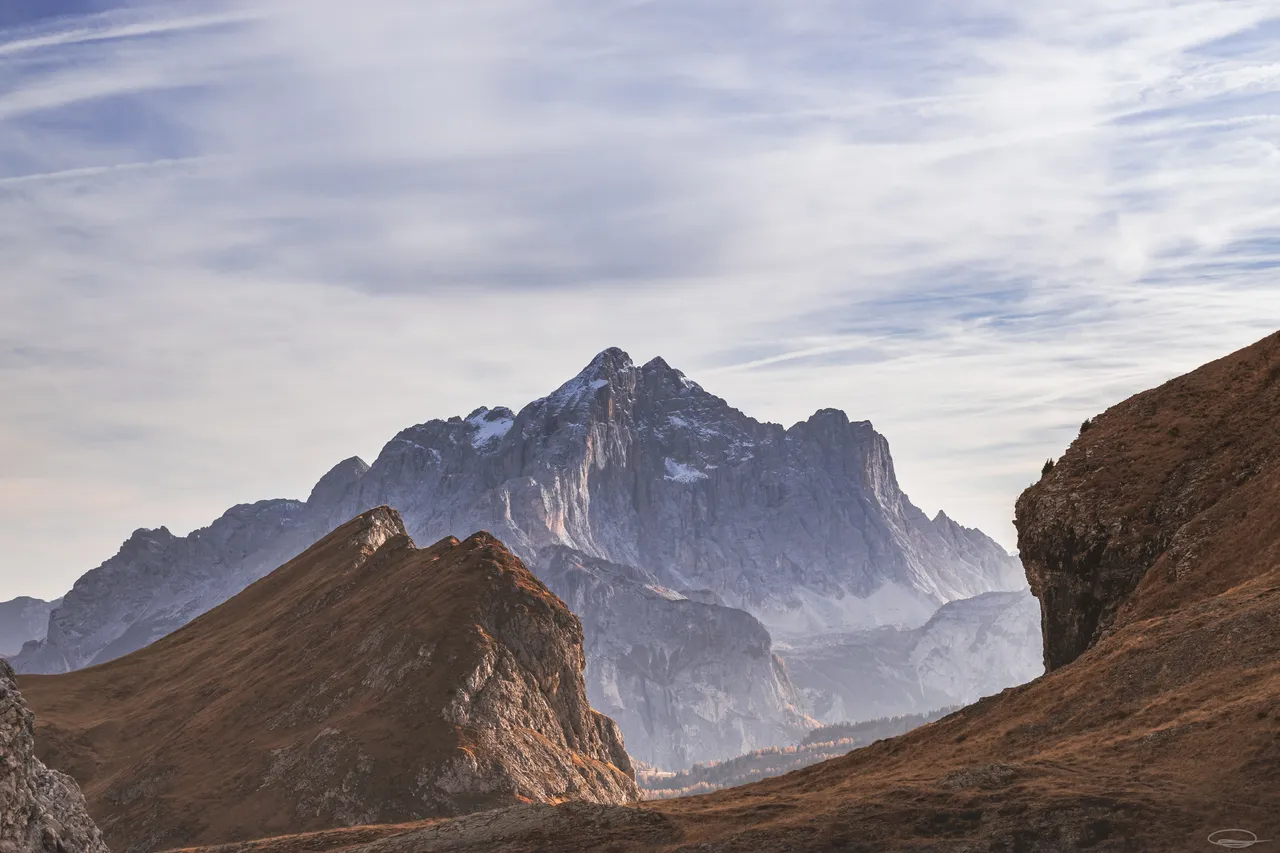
(240, 241)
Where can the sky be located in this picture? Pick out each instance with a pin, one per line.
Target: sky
(240, 241)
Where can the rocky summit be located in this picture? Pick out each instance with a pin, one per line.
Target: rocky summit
(41, 810)
(364, 681)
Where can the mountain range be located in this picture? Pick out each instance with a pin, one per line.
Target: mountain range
(688, 536)
(365, 681)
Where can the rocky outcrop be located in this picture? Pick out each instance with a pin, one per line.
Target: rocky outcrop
(970, 648)
(1132, 501)
(364, 681)
(686, 680)
(23, 620)
(41, 810)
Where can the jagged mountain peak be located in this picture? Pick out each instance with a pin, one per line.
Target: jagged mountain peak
(612, 359)
(150, 534)
(658, 363)
(833, 420)
(338, 479)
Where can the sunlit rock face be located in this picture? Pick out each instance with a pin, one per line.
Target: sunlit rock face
(805, 527)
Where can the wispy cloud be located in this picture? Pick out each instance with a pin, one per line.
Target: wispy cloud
(246, 239)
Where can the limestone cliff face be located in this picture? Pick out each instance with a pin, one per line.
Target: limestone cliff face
(688, 681)
(364, 681)
(41, 810)
(23, 620)
(1118, 526)
(805, 528)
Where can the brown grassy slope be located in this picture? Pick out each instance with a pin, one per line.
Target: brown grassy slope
(1164, 731)
(364, 681)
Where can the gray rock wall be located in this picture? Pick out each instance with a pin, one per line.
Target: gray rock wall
(41, 810)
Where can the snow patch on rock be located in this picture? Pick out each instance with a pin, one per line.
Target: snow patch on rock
(490, 426)
(681, 473)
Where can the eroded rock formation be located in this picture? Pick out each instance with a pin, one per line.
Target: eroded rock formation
(41, 810)
(1142, 496)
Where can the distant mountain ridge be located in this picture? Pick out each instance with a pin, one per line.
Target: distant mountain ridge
(804, 528)
(821, 744)
(970, 648)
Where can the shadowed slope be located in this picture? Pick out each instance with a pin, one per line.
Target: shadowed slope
(1159, 724)
(363, 681)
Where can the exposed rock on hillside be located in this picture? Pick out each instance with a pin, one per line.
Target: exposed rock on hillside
(41, 810)
(364, 681)
(686, 681)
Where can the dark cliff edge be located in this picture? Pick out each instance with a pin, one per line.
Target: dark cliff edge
(1165, 497)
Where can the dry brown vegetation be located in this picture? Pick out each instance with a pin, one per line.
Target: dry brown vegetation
(364, 681)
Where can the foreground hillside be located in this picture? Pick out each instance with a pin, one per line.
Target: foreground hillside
(1154, 545)
(364, 681)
